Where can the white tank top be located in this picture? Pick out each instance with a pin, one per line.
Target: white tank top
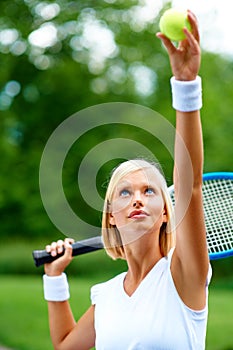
(154, 317)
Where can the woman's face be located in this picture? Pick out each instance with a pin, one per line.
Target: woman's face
(137, 205)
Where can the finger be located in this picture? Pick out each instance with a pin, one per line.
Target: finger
(48, 248)
(194, 25)
(60, 246)
(193, 43)
(192, 14)
(167, 43)
(53, 248)
(69, 240)
(68, 249)
(68, 246)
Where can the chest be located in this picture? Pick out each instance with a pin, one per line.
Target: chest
(143, 321)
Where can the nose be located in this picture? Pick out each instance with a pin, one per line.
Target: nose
(137, 200)
(138, 204)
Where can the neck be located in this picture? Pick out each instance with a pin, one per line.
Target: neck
(141, 256)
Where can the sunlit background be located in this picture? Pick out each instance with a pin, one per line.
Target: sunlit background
(92, 41)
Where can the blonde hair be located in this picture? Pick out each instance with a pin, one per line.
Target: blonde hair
(111, 236)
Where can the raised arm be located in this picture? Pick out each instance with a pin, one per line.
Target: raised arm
(190, 259)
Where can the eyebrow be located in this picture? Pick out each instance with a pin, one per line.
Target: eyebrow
(144, 185)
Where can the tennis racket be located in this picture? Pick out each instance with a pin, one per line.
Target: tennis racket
(218, 211)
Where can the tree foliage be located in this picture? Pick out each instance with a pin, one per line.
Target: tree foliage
(58, 58)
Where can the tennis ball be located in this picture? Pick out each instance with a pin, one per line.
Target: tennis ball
(172, 23)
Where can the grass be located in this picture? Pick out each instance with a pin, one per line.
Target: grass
(220, 325)
(24, 324)
(23, 321)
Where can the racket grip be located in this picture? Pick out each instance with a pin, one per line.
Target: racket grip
(80, 247)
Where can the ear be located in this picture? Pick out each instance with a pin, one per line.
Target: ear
(111, 219)
(165, 218)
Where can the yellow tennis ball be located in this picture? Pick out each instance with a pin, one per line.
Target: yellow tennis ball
(172, 23)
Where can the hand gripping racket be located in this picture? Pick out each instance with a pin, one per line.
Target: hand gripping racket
(218, 211)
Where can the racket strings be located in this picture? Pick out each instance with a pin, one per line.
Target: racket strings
(218, 211)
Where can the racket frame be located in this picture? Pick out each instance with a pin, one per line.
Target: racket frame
(219, 176)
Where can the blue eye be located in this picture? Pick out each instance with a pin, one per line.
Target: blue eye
(150, 191)
(124, 193)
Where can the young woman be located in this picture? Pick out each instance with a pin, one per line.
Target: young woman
(161, 301)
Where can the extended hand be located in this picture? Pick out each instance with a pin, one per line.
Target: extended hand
(186, 58)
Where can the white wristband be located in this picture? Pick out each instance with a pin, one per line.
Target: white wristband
(56, 288)
(186, 95)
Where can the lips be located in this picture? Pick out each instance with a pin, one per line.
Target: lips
(137, 214)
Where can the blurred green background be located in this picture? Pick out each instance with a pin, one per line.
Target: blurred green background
(57, 58)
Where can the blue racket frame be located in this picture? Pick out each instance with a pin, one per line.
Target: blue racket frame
(219, 176)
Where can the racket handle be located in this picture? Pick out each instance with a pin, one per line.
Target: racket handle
(80, 247)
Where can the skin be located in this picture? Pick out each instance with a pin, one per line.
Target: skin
(138, 212)
(189, 264)
(137, 206)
